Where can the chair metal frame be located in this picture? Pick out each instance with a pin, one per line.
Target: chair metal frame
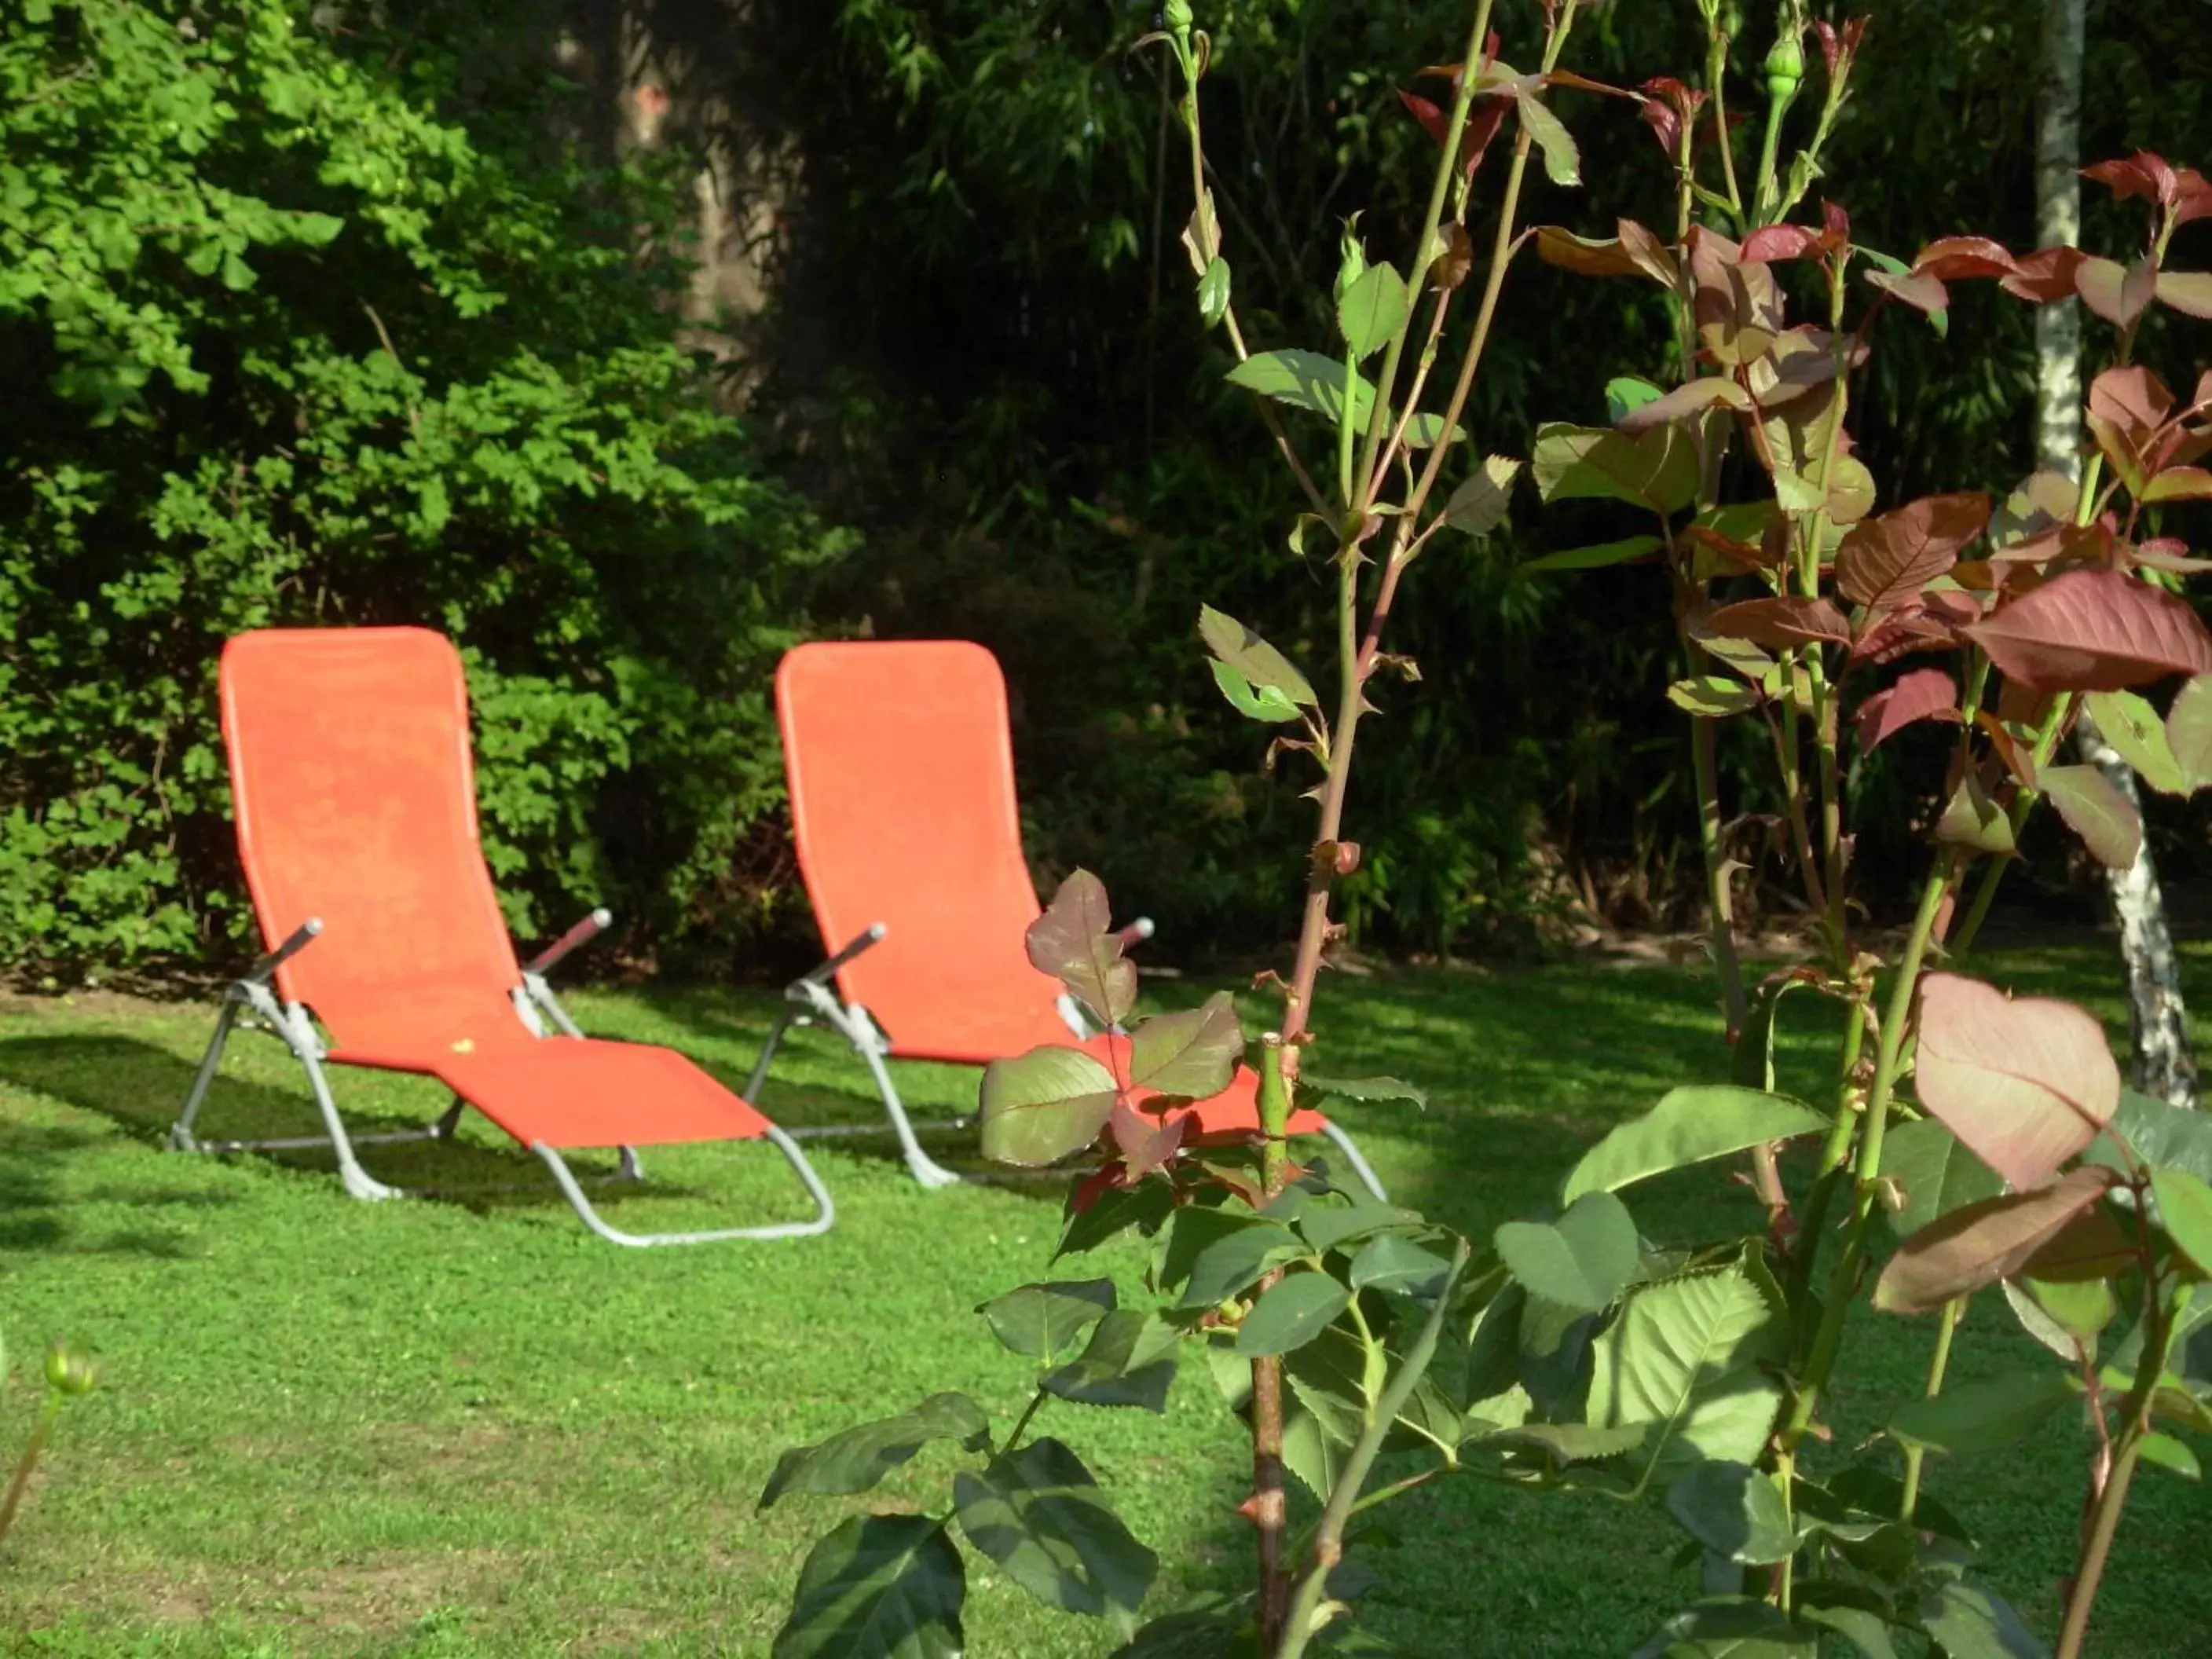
(250, 1000)
(814, 1001)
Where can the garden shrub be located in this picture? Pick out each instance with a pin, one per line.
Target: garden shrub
(311, 315)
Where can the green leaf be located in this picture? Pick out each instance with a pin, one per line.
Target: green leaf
(1304, 379)
(1657, 470)
(1039, 1107)
(1325, 1226)
(1690, 1125)
(1192, 1053)
(1040, 1320)
(856, 1459)
(2168, 1453)
(1974, 1623)
(1583, 1259)
(1040, 1517)
(1296, 1311)
(1371, 309)
(1262, 702)
(1364, 1088)
(1569, 1442)
(2131, 726)
(1626, 394)
(1684, 1357)
(2189, 730)
(1259, 662)
(1592, 558)
(1427, 431)
(2184, 1207)
(1735, 1512)
(1213, 1253)
(1973, 821)
(1714, 696)
(1731, 1628)
(1867, 1632)
(2160, 1133)
(1214, 292)
(2108, 825)
(1979, 1417)
(1936, 1174)
(1143, 1205)
(1478, 506)
(880, 1587)
(1127, 1363)
(1219, 1628)
(1393, 1263)
(1562, 160)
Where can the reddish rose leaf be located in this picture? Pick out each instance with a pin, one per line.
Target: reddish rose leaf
(2117, 293)
(1146, 1142)
(2179, 483)
(1979, 1244)
(2094, 630)
(1910, 627)
(1888, 559)
(2167, 553)
(2109, 827)
(2025, 1084)
(2186, 291)
(2133, 399)
(1955, 257)
(1685, 402)
(2192, 196)
(2145, 174)
(1557, 246)
(1920, 292)
(1780, 622)
(1771, 243)
(2046, 275)
(1920, 693)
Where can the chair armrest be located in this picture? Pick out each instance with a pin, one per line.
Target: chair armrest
(821, 976)
(265, 969)
(581, 934)
(1136, 933)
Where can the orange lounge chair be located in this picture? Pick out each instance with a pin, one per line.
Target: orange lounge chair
(356, 801)
(901, 783)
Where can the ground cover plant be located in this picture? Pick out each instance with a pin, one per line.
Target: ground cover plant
(461, 1427)
(1581, 1352)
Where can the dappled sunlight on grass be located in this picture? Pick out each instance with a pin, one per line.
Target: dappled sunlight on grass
(462, 1426)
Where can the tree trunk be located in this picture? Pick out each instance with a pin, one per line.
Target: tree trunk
(2165, 1063)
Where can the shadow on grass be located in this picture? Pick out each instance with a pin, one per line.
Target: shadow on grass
(37, 1213)
(141, 1088)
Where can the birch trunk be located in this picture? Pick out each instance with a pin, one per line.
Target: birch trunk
(2165, 1063)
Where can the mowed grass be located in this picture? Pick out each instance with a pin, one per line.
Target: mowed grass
(462, 1425)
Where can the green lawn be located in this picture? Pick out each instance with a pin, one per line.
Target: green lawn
(465, 1427)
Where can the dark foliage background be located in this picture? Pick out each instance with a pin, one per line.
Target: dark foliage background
(472, 404)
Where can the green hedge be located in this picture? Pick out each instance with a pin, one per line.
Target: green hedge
(287, 343)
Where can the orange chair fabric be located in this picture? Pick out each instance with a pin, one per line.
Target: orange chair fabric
(355, 800)
(902, 780)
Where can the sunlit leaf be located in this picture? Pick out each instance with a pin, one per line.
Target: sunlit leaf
(1194, 1052)
(1074, 943)
(1581, 1260)
(856, 1459)
(1296, 1311)
(1039, 1107)
(1478, 506)
(2025, 1083)
(1690, 1125)
(1038, 1513)
(2104, 819)
(2132, 727)
(1371, 309)
(880, 1587)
